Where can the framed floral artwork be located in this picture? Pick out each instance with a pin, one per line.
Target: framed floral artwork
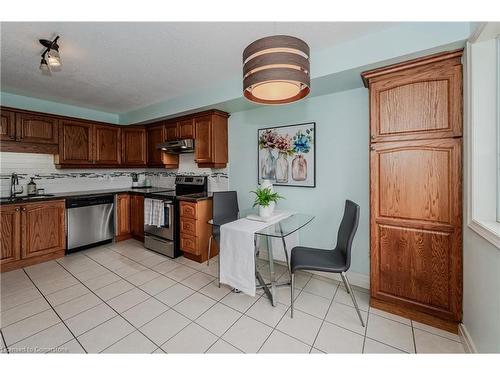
(287, 155)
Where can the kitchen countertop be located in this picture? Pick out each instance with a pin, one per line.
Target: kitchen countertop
(75, 194)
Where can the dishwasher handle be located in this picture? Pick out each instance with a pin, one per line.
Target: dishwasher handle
(89, 201)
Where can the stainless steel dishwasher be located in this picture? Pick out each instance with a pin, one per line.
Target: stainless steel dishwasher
(90, 222)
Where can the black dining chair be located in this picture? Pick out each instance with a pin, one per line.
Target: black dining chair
(337, 260)
(224, 210)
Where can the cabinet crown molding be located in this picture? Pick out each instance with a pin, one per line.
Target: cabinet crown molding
(377, 72)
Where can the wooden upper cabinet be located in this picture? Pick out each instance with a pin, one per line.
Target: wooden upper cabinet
(419, 99)
(203, 143)
(171, 131)
(186, 129)
(43, 227)
(156, 157)
(107, 145)
(36, 128)
(82, 143)
(156, 134)
(8, 125)
(76, 141)
(10, 241)
(211, 141)
(134, 146)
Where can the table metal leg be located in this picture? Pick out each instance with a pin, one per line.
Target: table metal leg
(262, 283)
(287, 260)
(272, 277)
(271, 286)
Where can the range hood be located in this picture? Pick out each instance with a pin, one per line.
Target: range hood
(177, 147)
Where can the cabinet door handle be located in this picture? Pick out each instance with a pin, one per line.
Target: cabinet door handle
(372, 137)
(372, 148)
(23, 209)
(17, 209)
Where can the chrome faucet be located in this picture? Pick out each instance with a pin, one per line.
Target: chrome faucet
(14, 183)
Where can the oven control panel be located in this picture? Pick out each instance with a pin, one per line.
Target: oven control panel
(190, 180)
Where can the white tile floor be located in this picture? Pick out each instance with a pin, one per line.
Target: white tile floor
(122, 298)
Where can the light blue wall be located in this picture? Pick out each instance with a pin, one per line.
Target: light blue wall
(39, 105)
(341, 168)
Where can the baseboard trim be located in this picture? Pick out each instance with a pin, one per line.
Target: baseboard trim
(466, 339)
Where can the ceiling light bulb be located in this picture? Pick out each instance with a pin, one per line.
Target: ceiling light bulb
(44, 67)
(53, 58)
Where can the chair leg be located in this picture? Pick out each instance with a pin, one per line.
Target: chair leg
(292, 292)
(209, 248)
(350, 291)
(218, 271)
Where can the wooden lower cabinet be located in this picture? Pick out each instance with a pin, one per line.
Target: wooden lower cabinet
(195, 231)
(416, 225)
(123, 228)
(137, 216)
(129, 217)
(32, 233)
(10, 222)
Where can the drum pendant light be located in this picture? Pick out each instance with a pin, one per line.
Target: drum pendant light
(276, 70)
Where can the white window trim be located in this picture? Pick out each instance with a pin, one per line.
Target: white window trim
(489, 229)
(498, 130)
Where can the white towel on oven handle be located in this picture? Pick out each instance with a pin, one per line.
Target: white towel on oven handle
(154, 212)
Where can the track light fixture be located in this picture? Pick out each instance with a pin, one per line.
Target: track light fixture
(51, 61)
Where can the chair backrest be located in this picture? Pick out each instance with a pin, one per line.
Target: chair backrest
(347, 230)
(225, 206)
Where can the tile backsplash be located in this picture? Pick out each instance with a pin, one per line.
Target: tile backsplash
(54, 180)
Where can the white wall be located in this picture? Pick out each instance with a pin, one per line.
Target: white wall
(481, 259)
(66, 180)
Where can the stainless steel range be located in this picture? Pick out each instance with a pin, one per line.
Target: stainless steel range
(164, 238)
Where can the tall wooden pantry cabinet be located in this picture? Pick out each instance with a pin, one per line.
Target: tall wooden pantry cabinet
(416, 188)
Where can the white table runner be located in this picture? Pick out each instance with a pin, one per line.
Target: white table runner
(237, 253)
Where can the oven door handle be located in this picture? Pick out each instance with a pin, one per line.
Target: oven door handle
(170, 214)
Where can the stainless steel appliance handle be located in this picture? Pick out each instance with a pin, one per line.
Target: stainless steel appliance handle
(170, 214)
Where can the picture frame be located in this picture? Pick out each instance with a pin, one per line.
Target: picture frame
(286, 155)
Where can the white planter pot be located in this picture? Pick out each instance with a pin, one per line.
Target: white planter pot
(266, 211)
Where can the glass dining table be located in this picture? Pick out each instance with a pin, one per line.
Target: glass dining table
(281, 229)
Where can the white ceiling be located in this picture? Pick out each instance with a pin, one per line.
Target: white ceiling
(119, 67)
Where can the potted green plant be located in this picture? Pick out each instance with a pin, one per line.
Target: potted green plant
(266, 199)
